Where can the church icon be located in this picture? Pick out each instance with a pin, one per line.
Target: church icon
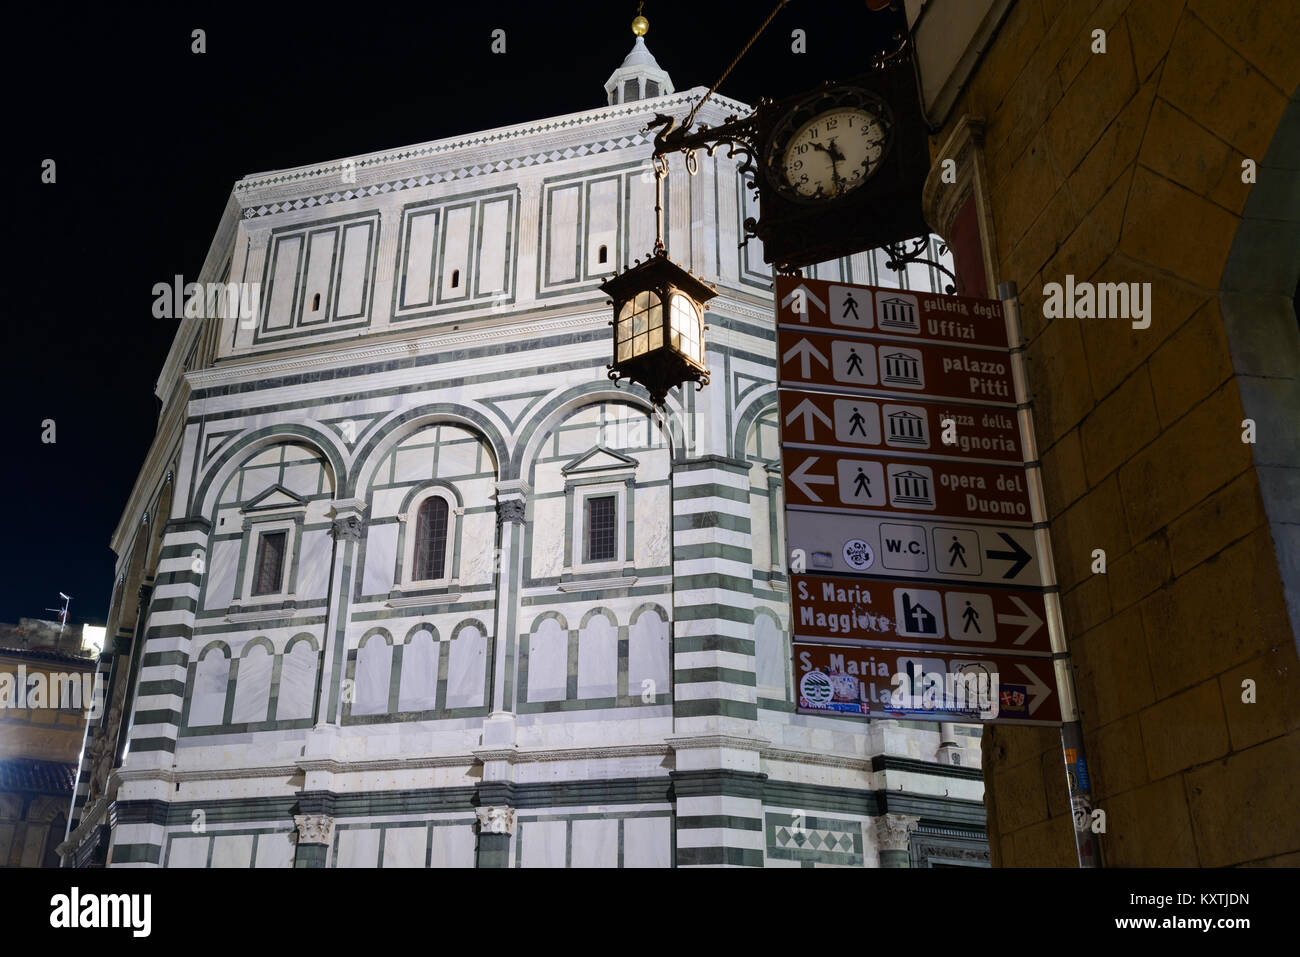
(918, 613)
(906, 427)
(902, 367)
(898, 313)
(911, 486)
(917, 618)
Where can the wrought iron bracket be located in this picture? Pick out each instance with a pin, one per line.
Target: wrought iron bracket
(900, 257)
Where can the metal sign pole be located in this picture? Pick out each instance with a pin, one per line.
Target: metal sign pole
(1076, 765)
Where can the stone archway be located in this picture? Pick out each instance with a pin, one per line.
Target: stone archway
(1258, 297)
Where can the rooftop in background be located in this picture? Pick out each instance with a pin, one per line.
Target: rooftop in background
(41, 639)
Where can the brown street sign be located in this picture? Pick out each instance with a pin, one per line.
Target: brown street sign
(937, 488)
(902, 426)
(860, 366)
(854, 310)
(923, 686)
(917, 614)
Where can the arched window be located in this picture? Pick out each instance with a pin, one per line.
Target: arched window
(431, 540)
(315, 303)
(455, 279)
(602, 255)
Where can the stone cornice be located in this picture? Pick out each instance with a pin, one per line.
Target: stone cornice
(257, 367)
(733, 741)
(477, 148)
(848, 761)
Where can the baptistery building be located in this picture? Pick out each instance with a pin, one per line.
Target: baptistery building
(406, 580)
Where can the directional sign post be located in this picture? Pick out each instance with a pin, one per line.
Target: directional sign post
(920, 562)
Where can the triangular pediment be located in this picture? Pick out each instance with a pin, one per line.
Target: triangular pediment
(599, 459)
(277, 496)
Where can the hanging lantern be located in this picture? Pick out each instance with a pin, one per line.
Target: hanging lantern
(659, 325)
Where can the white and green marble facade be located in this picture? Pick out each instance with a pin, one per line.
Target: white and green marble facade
(529, 709)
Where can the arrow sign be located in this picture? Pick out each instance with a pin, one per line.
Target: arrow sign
(905, 614)
(801, 295)
(900, 546)
(1029, 619)
(806, 351)
(1017, 556)
(808, 409)
(803, 480)
(1038, 689)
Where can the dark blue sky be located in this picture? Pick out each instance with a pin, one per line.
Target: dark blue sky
(149, 138)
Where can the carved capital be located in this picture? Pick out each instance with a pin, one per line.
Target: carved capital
(893, 831)
(314, 828)
(496, 820)
(348, 528)
(511, 510)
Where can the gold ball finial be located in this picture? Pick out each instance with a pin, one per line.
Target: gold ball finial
(640, 26)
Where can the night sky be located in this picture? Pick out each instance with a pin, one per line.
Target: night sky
(149, 138)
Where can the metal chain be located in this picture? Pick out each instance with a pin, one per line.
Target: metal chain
(770, 17)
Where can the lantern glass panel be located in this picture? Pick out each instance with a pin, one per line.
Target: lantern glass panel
(640, 325)
(686, 327)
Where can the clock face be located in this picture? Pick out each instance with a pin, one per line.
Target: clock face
(830, 146)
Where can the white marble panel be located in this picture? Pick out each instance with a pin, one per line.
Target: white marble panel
(275, 850)
(419, 258)
(595, 843)
(453, 846)
(598, 659)
(543, 843)
(297, 683)
(358, 847)
(188, 852)
(252, 686)
(466, 669)
(284, 278)
(647, 842)
(374, 670)
(647, 653)
(770, 658)
(208, 703)
(381, 558)
(232, 850)
(405, 846)
(492, 247)
(548, 666)
(353, 276)
(419, 679)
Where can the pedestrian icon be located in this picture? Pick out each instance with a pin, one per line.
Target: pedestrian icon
(853, 362)
(970, 617)
(861, 482)
(850, 306)
(957, 552)
(857, 421)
